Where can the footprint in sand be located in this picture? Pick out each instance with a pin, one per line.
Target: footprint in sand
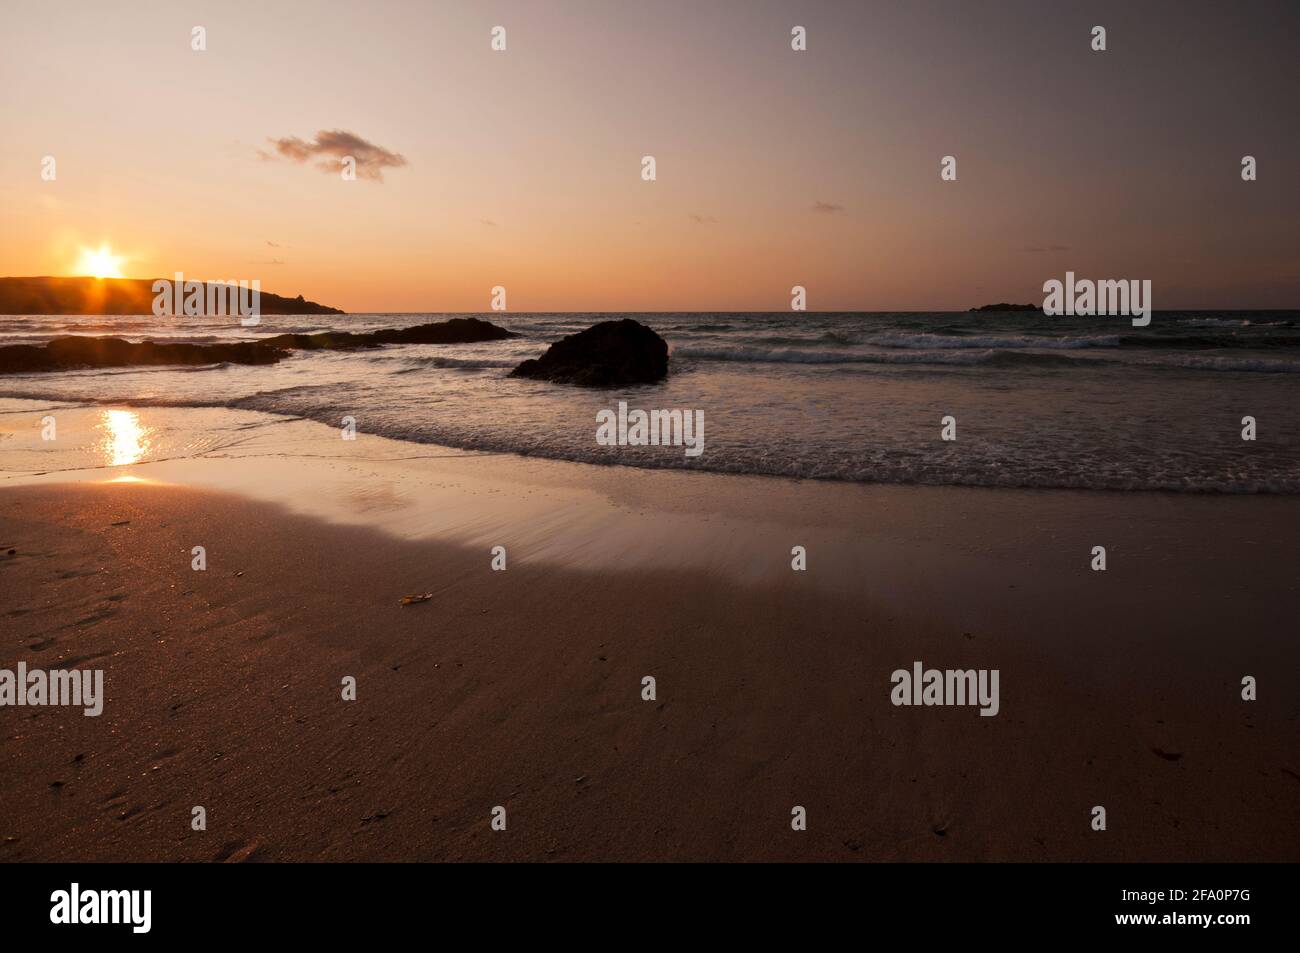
(1160, 739)
(239, 852)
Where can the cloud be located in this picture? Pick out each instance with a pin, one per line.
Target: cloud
(331, 146)
(271, 244)
(703, 219)
(1037, 249)
(827, 208)
(487, 221)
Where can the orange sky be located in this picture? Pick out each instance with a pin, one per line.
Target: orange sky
(523, 167)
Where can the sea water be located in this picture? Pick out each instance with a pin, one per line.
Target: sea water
(1037, 401)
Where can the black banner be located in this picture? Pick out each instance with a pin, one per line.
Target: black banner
(169, 902)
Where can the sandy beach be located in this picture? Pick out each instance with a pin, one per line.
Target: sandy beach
(523, 688)
(694, 434)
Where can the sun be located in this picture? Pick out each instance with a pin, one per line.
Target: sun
(100, 263)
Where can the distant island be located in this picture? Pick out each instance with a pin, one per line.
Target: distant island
(114, 296)
(1003, 306)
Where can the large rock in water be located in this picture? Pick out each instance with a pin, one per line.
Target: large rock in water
(608, 354)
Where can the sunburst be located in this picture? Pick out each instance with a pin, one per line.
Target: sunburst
(100, 263)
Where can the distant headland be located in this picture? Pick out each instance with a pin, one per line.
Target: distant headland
(114, 296)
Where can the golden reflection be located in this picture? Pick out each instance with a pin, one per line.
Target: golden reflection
(126, 440)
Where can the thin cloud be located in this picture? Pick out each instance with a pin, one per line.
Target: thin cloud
(703, 219)
(331, 146)
(827, 208)
(1039, 249)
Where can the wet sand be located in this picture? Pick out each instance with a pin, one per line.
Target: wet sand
(523, 688)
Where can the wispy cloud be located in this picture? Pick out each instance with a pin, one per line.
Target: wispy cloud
(331, 146)
(1038, 249)
(703, 219)
(827, 208)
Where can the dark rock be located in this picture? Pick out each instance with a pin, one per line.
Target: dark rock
(68, 353)
(608, 354)
(455, 331)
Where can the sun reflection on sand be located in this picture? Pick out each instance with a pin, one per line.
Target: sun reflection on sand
(126, 440)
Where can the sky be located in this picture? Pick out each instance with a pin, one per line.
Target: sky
(522, 168)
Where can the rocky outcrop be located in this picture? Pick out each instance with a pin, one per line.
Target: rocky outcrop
(608, 354)
(455, 331)
(68, 353)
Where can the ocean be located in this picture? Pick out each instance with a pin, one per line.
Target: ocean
(1087, 403)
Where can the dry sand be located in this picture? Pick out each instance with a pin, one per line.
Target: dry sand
(523, 688)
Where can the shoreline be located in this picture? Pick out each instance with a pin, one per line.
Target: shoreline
(84, 409)
(1118, 688)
